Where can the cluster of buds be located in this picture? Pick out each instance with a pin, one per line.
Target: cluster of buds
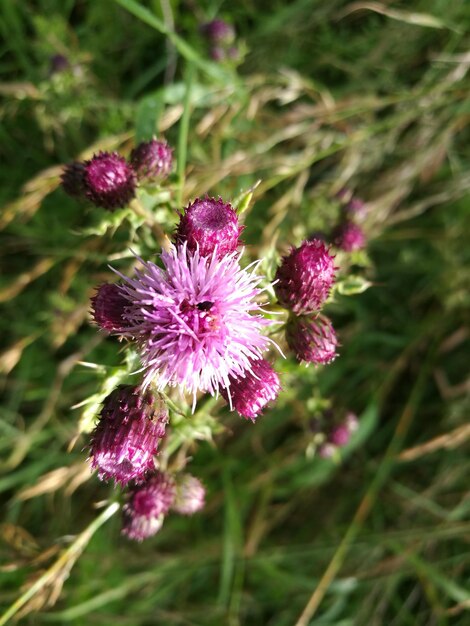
(109, 181)
(220, 37)
(197, 322)
(333, 435)
(122, 448)
(303, 283)
(349, 235)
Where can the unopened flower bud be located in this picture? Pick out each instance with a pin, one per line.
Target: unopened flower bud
(148, 503)
(190, 495)
(305, 277)
(219, 32)
(127, 435)
(312, 339)
(349, 237)
(108, 306)
(110, 181)
(251, 392)
(73, 179)
(152, 161)
(207, 223)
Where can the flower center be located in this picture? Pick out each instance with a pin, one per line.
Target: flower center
(200, 317)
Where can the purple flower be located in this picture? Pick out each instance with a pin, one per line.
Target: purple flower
(305, 277)
(190, 495)
(152, 160)
(148, 503)
(339, 436)
(207, 223)
(251, 391)
(73, 179)
(108, 307)
(356, 208)
(218, 31)
(193, 320)
(58, 63)
(109, 180)
(312, 339)
(349, 237)
(127, 435)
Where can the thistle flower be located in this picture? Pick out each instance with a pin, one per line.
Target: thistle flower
(356, 208)
(218, 32)
(108, 307)
(109, 180)
(152, 160)
(190, 495)
(349, 237)
(251, 391)
(58, 63)
(73, 179)
(193, 320)
(312, 339)
(339, 435)
(127, 435)
(208, 223)
(148, 504)
(305, 277)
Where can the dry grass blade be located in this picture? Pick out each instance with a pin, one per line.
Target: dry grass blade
(63, 477)
(455, 438)
(416, 19)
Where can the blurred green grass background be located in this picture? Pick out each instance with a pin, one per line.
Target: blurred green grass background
(372, 96)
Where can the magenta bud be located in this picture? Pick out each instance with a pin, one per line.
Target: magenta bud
(250, 393)
(305, 277)
(108, 306)
(218, 32)
(349, 237)
(148, 503)
(208, 223)
(152, 161)
(73, 179)
(127, 435)
(312, 339)
(110, 182)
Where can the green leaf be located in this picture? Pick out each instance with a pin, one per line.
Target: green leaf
(353, 285)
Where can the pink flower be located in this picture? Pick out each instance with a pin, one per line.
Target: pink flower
(251, 391)
(196, 321)
(127, 435)
(109, 180)
(305, 277)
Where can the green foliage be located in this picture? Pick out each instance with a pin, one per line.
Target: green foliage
(372, 97)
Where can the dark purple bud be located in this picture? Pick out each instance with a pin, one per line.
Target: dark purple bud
(152, 161)
(190, 495)
(148, 503)
(349, 237)
(217, 53)
(356, 208)
(312, 339)
(58, 63)
(207, 223)
(110, 181)
(108, 306)
(250, 393)
(73, 179)
(305, 277)
(218, 32)
(127, 435)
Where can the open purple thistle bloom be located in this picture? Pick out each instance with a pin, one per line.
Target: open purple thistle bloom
(148, 504)
(127, 435)
(250, 392)
(195, 321)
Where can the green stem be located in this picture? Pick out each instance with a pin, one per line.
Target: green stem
(63, 563)
(183, 133)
